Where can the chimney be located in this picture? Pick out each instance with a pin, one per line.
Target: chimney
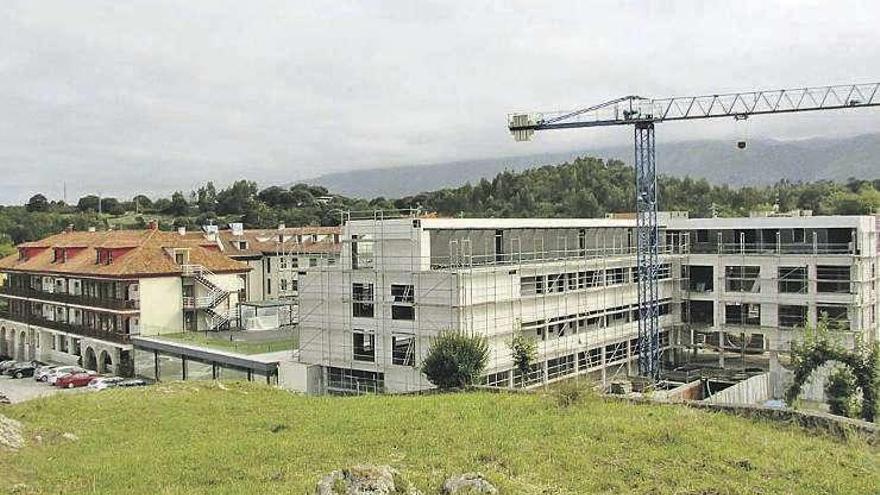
(237, 228)
(181, 230)
(91, 229)
(153, 225)
(69, 228)
(281, 226)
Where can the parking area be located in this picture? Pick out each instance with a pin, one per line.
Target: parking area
(27, 388)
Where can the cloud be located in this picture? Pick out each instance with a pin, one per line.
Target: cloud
(123, 97)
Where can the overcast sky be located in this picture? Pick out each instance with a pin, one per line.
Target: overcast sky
(124, 96)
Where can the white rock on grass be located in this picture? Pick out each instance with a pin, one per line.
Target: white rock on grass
(471, 483)
(11, 437)
(365, 480)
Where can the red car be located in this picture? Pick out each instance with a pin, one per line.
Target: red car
(74, 380)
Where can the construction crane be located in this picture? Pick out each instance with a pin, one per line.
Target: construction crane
(643, 113)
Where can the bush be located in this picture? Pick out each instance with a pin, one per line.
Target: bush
(841, 391)
(572, 391)
(523, 351)
(456, 360)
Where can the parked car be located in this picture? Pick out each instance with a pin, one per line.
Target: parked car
(42, 372)
(7, 364)
(102, 382)
(60, 371)
(132, 382)
(22, 370)
(72, 380)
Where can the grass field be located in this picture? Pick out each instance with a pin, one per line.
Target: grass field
(201, 438)
(224, 344)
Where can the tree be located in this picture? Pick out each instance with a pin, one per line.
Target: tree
(38, 202)
(456, 360)
(206, 198)
(112, 206)
(141, 203)
(236, 198)
(179, 206)
(523, 350)
(88, 203)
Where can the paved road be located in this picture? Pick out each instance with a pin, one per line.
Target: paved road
(27, 388)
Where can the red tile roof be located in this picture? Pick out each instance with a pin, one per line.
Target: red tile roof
(135, 253)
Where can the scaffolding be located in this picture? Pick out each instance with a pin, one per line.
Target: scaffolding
(369, 319)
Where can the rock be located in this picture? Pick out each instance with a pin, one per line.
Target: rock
(468, 483)
(364, 480)
(70, 436)
(621, 387)
(11, 437)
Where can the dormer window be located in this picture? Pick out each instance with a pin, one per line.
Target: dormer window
(242, 245)
(103, 257)
(22, 254)
(59, 255)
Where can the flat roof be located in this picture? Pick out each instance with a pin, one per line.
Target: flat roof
(524, 223)
(819, 222)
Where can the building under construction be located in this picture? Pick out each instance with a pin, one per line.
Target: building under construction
(733, 293)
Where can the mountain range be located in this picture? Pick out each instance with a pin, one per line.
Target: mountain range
(721, 162)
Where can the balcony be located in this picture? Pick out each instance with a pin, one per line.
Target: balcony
(81, 300)
(119, 338)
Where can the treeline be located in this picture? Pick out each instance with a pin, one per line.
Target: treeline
(587, 187)
(590, 187)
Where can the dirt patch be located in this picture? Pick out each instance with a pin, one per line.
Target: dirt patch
(11, 437)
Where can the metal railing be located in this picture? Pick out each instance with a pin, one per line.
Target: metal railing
(78, 299)
(68, 327)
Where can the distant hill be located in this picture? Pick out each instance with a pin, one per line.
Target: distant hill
(762, 162)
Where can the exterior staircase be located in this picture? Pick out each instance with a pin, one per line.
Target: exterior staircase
(219, 318)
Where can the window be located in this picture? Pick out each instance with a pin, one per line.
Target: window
(403, 350)
(283, 263)
(294, 262)
(364, 346)
(743, 314)
(313, 262)
(832, 279)
(793, 279)
(361, 252)
(294, 285)
(792, 316)
(799, 235)
(615, 276)
(702, 236)
(362, 303)
(349, 381)
(836, 316)
(403, 306)
(179, 258)
(742, 278)
(283, 285)
(268, 286)
(530, 286)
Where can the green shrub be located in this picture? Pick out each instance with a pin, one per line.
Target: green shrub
(456, 360)
(523, 351)
(573, 391)
(841, 391)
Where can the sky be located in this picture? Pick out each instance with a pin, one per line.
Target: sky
(115, 97)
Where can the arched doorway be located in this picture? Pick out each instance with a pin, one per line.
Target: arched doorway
(105, 363)
(90, 362)
(4, 346)
(22, 346)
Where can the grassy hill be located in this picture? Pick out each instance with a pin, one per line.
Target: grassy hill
(188, 438)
